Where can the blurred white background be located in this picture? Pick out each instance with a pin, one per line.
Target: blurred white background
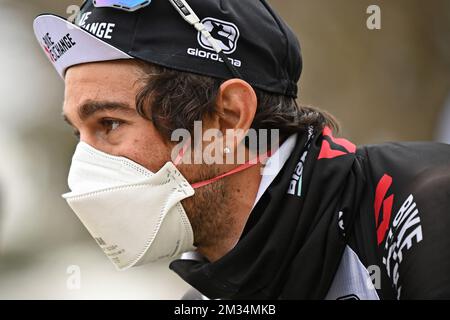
(40, 237)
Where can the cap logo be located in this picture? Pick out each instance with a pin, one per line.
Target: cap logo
(103, 30)
(56, 50)
(226, 33)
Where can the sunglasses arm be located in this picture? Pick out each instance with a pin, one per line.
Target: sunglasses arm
(189, 15)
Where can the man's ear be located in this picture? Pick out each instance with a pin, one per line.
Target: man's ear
(236, 105)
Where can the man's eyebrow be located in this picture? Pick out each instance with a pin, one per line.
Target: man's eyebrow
(90, 107)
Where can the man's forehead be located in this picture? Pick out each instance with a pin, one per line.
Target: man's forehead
(112, 81)
(117, 71)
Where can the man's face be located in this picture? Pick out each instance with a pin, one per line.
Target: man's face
(100, 106)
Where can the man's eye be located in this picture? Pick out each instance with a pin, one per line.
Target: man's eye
(111, 124)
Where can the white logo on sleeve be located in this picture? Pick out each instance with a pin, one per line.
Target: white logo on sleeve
(226, 33)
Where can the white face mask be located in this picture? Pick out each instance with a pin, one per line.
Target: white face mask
(135, 215)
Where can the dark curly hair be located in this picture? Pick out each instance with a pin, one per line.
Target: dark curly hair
(173, 100)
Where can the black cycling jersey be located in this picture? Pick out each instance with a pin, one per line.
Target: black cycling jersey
(340, 222)
(408, 205)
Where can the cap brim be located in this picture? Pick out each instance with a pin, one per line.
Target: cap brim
(66, 44)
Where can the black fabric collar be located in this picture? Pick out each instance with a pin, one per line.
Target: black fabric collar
(292, 245)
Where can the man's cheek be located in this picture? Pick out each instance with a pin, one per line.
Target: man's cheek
(152, 158)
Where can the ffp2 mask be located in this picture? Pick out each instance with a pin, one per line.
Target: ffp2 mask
(136, 216)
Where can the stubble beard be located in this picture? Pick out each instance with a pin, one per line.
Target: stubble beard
(209, 211)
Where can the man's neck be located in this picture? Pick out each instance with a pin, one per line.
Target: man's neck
(242, 196)
(242, 193)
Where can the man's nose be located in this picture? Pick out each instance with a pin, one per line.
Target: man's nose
(88, 138)
(92, 140)
(97, 143)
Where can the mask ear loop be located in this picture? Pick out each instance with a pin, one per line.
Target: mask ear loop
(182, 153)
(249, 164)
